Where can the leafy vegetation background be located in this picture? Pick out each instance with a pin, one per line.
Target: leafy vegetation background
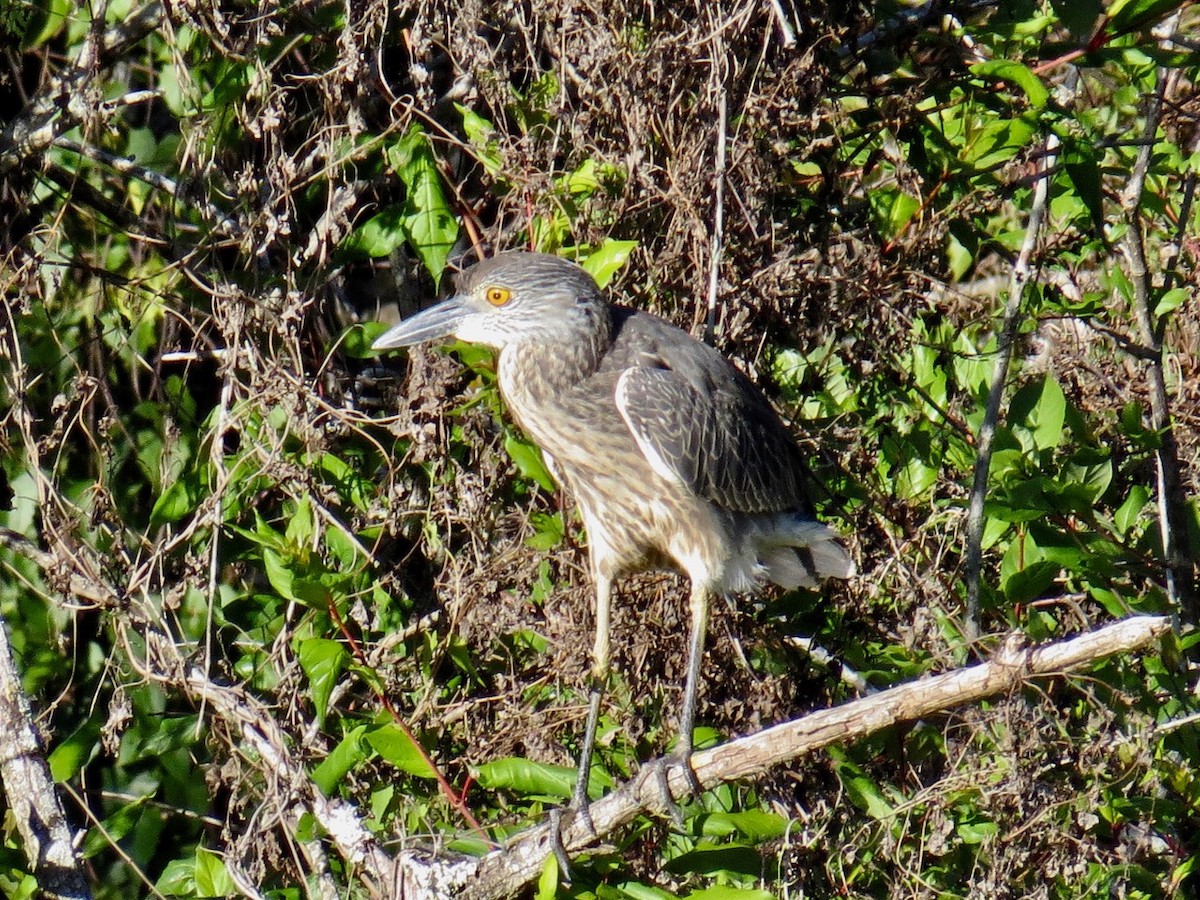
(206, 205)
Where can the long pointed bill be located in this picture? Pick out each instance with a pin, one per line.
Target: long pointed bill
(436, 322)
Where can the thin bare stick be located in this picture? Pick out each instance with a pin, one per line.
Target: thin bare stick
(973, 563)
(1172, 498)
(718, 232)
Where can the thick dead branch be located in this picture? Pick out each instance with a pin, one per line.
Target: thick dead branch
(29, 788)
(504, 872)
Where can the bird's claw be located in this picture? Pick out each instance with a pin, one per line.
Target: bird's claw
(557, 846)
(662, 771)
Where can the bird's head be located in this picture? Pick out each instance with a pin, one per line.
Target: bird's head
(511, 298)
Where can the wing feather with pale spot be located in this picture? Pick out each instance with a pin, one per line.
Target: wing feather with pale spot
(700, 422)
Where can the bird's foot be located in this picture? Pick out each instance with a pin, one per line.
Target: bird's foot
(580, 806)
(662, 772)
(556, 845)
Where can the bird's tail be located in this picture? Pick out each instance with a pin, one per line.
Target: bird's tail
(803, 554)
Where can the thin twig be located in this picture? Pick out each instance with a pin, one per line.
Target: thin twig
(216, 217)
(718, 238)
(973, 562)
(1172, 499)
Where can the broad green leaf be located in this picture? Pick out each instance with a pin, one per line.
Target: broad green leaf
(427, 221)
(1171, 301)
(300, 522)
(977, 832)
(116, 828)
(997, 142)
(397, 748)
(1040, 409)
(638, 891)
(345, 756)
(480, 133)
(1083, 168)
(891, 209)
(212, 878)
(1031, 582)
(533, 779)
(356, 340)
(379, 235)
(178, 878)
(176, 502)
(1080, 16)
(730, 892)
(323, 661)
(605, 260)
(75, 752)
(529, 462)
(1014, 73)
(547, 886)
(48, 19)
(754, 824)
(1130, 511)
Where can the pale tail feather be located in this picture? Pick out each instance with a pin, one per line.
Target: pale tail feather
(804, 556)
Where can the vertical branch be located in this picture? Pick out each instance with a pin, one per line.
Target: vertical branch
(973, 562)
(1172, 499)
(714, 256)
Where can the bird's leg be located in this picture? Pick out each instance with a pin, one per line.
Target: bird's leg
(599, 680)
(698, 602)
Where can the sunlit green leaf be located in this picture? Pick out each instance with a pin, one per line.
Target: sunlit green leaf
(396, 747)
(1014, 73)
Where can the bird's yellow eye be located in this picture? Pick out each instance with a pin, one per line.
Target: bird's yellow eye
(498, 296)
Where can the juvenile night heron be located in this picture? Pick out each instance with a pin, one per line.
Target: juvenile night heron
(674, 457)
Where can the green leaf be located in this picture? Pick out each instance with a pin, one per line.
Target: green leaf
(977, 832)
(1083, 168)
(116, 828)
(891, 209)
(547, 886)
(1031, 582)
(529, 462)
(1017, 74)
(730, 892)
(1079, 16)
(481, 136)
(605, 260)
(427, 221)
(1130, 511)
(48, 19)
(1040, 408)
(177, 501)
(754, 824)
(323, 661)
(178, 878)
(997, 142)
(533, 779)
(345, 756)
(1125, 16)
(396, 747)
(212, 878)
(1171, 300)
(70, 756)
(379, 235)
